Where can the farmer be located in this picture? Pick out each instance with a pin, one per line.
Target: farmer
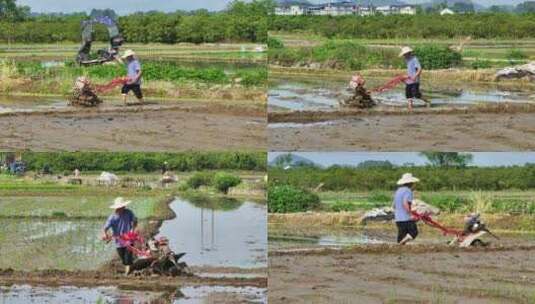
(412, 79)
(120, 222)
(133, 73)
(406, 223)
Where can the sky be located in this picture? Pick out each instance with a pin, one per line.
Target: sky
(482, 159)
(123, 6)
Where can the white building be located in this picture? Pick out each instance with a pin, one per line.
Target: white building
(407, 10)
(292, 10)
(364, 11)
(447, 11)
(384, 10)
(339, 9)
(344, 8)
(396, 10)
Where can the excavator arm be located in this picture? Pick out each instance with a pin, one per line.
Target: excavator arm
(116, 40)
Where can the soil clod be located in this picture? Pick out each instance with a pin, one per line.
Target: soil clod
(83, 94)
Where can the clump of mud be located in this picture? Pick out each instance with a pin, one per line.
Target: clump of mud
(83, 94)
(361, 98)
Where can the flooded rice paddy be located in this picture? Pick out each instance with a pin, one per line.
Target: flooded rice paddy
(68, 294)
(281, 237)
(225, 234)
(314, 94)
(214, 233)
(19, 294)
(30, 244)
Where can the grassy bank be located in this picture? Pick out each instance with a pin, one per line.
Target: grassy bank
(162, 79)
(185, 52)
(304, 48)
(352, 220)
(515, 202)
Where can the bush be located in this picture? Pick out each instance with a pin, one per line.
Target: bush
(200, 179)
(481, 64)
(434, 57)
(224, 181)
(343, 54)
(143, 162)
(343, 206)
(384, 179)
(257, 77)
(516, 54)
(449, 203)
(379, 197)
(285, 199)
(274, 43)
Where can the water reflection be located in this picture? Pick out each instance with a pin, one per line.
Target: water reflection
(219, 233)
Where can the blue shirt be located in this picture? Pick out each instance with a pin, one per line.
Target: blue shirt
(413, 66)
(120, 224)
(131, 70)
(401, 195)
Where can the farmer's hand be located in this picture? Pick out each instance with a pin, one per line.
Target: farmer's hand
(105, 237)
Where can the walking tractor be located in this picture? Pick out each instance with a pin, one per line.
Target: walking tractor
(153, 257)
(474, 230)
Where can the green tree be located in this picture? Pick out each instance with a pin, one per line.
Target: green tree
(526, 7)
(448, 159)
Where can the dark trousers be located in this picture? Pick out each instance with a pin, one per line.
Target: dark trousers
(408, 227)
(127, 257)
(413, 91)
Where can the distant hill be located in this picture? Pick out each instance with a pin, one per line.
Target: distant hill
(375, 164)
(291, 160)
(477, 6)
(292, 2)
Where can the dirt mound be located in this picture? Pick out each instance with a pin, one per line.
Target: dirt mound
(381, 249)
(100, 278)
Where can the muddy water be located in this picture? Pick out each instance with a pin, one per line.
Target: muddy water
(282, 237)
(52, 244)
(229, 234)
(288, 238)
(18, 294)
(318, 94)
(221, 294)
(31, 294)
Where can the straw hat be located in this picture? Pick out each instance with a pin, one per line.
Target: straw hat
(405, 50)
(119, 203)
(128, 53)
(407, 178)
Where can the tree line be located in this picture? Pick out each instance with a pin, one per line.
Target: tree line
(432, 178)
(240, 22)
(141, 162)
(483, 26)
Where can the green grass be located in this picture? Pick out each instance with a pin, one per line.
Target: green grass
(496, 53)
(184, 51)
(77, 206)
(493, 202)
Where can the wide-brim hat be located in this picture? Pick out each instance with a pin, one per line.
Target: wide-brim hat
(407, 178)
(405, 50)
(119, 203)
(128, 53)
